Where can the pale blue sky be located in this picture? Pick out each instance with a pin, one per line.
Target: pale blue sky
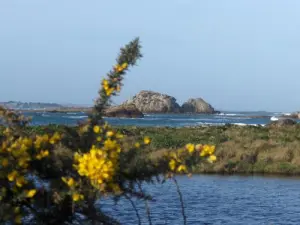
(236, 54)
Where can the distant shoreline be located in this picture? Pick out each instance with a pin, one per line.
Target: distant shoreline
(57, 110)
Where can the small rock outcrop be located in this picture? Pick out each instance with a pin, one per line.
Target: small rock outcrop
(128, 111)
(282, 122)
(197, 105)
(154, 102)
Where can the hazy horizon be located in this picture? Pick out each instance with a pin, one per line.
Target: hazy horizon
(236, 55)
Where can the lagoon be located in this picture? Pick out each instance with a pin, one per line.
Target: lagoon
(217, 199)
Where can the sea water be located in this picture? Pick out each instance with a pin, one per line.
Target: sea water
(158, 120)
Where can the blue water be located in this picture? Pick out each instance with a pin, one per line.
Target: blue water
(172, 120)
(212, 199)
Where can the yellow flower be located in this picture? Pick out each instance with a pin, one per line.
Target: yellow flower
(23, 162)
(76, 156)
(30, 193)
(212, 158)
(124, 65)
(20, 181)
(109, 144)
(137, 145)
(52, 141)
(105, 84)
(44, 153)
(118, 88)
(76, 197)
(119, 68)
(99, 139)
(109, 91)
(208, 149)
(147, 140)
(190, 148)
(109, 133)
(96, 129)
(172, 164)
(12, 176)
(56, 137)
(70, 182)
(181, 168)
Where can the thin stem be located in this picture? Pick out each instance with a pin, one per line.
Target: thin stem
(135, 209)
(181, 201)
(146, 206)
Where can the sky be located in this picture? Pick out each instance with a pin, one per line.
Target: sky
(237, 55)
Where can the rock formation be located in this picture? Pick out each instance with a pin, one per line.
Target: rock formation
(282, 122)
(197, 105)
(127, 110)
(295, 115)
(154, 102)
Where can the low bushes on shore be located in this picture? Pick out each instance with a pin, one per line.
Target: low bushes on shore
(246, 149)
(240, 149)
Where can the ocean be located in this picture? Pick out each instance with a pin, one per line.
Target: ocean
(164, 120)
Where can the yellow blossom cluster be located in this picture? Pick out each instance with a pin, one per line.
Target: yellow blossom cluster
(72, 184)
(111, 85)
(17, 153)
(120, 68)
(146, 141)
(100, 164)
(179, 160)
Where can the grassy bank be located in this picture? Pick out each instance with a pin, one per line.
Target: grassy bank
(273, 150)
(239, 149)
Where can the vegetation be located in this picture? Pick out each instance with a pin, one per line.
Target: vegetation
(55, 175)
(240, 149)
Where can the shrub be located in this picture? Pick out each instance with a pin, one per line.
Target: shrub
(47, 173)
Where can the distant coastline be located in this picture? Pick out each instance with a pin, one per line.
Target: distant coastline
(43, 107)
(59, 110)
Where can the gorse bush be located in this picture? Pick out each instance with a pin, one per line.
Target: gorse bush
(57, 177)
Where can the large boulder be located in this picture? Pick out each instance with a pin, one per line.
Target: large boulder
(197, 105)
(154, 102)
(128, 111)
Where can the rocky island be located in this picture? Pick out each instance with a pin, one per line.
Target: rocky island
(155, 102)
(197, 105)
